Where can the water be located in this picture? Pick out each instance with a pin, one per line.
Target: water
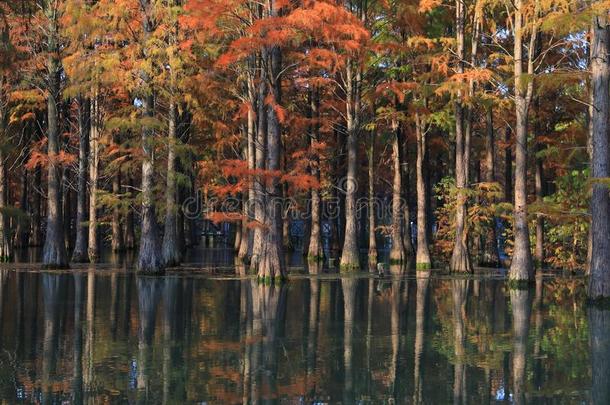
(110, 336)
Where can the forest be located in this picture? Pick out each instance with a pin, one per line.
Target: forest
(415, 135)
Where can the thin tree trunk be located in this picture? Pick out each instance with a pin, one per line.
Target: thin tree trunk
(349, 254)
(261, 151)
(245, 248)
(54, 250)
(94, 142)
(314, 251)
(422, 258)
(79, 255)
(539, 180)
(130, 232)
(398, 254)
(36, 231)
(599, 280)
(172, 255)
(490, 256)
(6, 248)
(372, 208)
(22, 233)
(117, 243)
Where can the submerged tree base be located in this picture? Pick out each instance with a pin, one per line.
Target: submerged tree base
(268, 280)
(349, 267)
(315, 258)
(51, 266)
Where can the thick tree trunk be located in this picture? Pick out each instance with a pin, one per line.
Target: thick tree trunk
(117, 244)
(54, 250)
(172, 255)
(521, 267)
(94, 146)
(314, 250)
(272, 266)
(150, 257)
(349, 255)
(460, 258)
(422, 257)
(372, 208)
(490, 256)
(79, 255)
(599, 280)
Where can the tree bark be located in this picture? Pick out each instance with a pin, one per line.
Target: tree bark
(599, 279)
(6, 248)
(54, 250)
(79, 255)
(36, 231)
(245, 248)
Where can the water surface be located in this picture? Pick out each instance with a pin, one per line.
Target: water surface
(111, 336)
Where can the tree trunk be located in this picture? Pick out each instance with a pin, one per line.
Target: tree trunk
(94, 146)
(6, 248)
(272, 265)
(314, 250)
(36, 231)
(599, 280)
(79, 255)
(22, 233)
(539, 179)
(150, 257)
(349, 254)
(372, 208)
(172, 255)
(117, 243)
(261, 150)
(422, 257)
(398, 254)
(130, 232)
(54, 250)
(521, 267)
(490, 256)
(245, 248)
(460, 258)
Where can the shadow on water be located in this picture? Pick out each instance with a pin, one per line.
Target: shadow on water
(110, 336)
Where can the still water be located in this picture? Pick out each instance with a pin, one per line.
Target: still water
(113, 337)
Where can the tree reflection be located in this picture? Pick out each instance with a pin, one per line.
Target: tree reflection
(149, 294)
(599, 329)
(423, 281)
(521, 309)
(349, 306)
(459, 294)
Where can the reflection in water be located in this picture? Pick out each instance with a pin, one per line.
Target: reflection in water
(93, 337)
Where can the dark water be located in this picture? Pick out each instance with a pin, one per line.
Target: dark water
(114, 337)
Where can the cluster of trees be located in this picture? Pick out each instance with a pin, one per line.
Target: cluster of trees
(129, 106)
